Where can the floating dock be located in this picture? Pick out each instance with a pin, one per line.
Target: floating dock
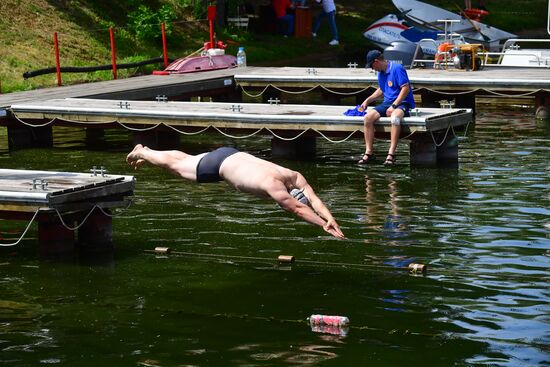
(63, 202)
(459, 84)
(288, 124)
(509, 79)
(431, 84)
(215, 83)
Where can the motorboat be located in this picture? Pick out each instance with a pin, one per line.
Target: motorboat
(429, 17)
(417, 22)
(404, 44)
(390, 29)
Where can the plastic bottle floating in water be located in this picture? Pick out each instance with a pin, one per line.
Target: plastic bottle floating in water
(328, 320)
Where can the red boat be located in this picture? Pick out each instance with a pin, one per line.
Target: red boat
(212, 55)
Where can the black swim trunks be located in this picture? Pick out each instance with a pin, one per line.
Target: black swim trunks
(208, 169)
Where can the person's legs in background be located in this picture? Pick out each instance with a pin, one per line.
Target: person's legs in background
(289, 20)
(332, 24)
(317, 23)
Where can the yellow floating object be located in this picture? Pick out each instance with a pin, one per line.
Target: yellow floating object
(416, 268)
(285, 259)
(163, 250)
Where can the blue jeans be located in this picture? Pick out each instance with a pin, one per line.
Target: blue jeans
(331, 22)
(289, 20)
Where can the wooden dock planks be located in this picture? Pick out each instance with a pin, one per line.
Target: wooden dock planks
(189, 116)
(142, 87)
(522, 80)
(498, 79)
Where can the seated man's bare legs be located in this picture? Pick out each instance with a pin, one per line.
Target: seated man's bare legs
(396, 118)
(368, 124)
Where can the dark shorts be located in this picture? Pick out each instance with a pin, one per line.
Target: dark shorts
(208, 169)
(383, 107)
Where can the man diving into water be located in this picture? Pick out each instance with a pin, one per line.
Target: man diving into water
(247, 174)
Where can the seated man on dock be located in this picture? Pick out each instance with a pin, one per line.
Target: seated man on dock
(246, 173)
(393, 84)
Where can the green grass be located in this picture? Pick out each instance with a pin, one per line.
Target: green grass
(27, 26)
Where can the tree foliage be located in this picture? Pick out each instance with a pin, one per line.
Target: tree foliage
(144, 23)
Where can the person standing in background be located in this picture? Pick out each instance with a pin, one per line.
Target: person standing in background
(280, 8)
(329, 10)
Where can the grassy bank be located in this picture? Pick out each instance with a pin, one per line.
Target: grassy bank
(27, 26)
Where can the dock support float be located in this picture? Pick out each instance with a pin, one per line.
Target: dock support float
(302, 147)
(53, 238)
(157, 139)
(542, 105)
(94, 235)
(425, 152)
(95, 137)
(20, 137)
(271, 94)
(461, 100)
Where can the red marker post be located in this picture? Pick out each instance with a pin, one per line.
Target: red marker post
(164, 53)
(57, 65)
(113, 54)
(211, 19)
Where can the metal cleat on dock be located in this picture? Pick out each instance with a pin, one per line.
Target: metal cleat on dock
(237, 108)
(352, 65)
(161, 98)
(447, 104)
(275, 101)
(38, 183)
(125, 105)
(102, 171)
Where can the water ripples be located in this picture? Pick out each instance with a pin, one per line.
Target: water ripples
(482, 228)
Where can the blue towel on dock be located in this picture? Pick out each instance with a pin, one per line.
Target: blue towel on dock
(355, 111)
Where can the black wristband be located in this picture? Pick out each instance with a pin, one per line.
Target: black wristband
(394, 106)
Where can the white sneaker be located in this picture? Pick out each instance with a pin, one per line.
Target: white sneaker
(334, 43)
(313, 34)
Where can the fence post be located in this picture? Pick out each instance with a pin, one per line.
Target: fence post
(57, 66)
(113, 54)
(164, 53)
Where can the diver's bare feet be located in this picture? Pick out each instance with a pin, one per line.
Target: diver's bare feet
(134, 158)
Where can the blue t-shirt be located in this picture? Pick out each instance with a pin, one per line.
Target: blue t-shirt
(392, 80)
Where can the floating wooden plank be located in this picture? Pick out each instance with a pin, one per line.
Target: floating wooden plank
(326, 119)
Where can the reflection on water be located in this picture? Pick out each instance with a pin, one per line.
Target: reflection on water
(483, 229)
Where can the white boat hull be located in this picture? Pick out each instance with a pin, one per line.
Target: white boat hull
(427, 16)
(390, 29)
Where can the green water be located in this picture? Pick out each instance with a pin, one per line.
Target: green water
(483, 228)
